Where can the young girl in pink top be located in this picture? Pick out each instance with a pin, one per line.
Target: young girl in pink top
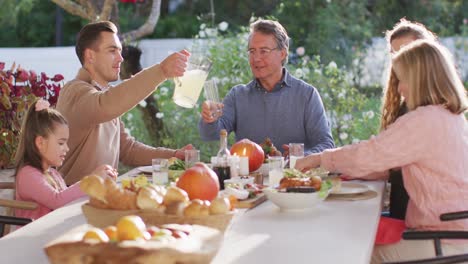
(42, 147)
(429, 143)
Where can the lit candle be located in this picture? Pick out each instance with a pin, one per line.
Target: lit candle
(244, 166)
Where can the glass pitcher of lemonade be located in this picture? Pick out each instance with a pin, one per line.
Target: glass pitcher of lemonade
(188, 87)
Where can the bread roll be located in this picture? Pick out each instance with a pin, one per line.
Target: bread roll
(220, 205)
(175, 208)
(175, 194)
(161, 190)
(118, 198)
(147, 198)
(97, 203)
(197, 208)
(93, 186)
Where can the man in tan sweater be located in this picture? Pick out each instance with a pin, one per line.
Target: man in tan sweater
(93, 108)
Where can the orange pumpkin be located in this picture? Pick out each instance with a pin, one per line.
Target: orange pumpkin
(248, 148)
(200, 182)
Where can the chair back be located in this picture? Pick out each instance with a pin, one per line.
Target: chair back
(461, 258)
(7, 218)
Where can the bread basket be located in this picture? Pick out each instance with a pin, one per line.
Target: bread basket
(104, 217)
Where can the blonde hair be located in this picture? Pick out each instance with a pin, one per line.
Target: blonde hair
(428, 69)
(36, 123)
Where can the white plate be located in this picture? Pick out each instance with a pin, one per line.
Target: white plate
(351, 188)
(146, 169)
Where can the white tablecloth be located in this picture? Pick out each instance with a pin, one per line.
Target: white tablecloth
(333, 232)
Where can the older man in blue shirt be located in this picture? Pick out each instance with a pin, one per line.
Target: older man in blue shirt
(275, 104)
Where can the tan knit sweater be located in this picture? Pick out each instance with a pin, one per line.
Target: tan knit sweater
(97, 134)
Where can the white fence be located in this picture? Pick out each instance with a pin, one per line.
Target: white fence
(63, 60)
(377, 59)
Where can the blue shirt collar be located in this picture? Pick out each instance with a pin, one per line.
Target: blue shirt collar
(284, 82)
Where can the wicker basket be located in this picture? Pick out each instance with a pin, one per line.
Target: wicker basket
(105, 217)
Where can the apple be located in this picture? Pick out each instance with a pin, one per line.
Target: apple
(200, 182)
(248, 148)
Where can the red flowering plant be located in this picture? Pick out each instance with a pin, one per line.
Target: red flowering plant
(19, 88)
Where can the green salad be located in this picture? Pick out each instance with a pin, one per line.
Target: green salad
(177, 165)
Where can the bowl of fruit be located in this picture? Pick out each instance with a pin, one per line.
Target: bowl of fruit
(130, 240)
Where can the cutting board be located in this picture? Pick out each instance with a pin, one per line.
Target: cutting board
(252, 202)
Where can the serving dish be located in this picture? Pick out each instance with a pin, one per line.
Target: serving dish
(199, 247)
(103, 217)
(295, 201)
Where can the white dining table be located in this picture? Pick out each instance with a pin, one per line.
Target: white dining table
(336, 231)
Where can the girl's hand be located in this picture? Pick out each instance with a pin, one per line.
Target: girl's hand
(106, 171)
(309, 162)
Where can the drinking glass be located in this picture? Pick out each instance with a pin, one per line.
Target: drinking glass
(160, 171)
(192, 156)
(296, 151)
(275, 170)
(188, 87)
(212, 97)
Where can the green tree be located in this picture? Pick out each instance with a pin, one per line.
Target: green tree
(335, 30)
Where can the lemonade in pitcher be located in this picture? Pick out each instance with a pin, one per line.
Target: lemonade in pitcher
(188, 87)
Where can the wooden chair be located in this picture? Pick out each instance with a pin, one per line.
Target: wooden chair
(437, 236)
(10, 204)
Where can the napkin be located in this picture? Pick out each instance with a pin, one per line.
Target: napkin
(389, 231)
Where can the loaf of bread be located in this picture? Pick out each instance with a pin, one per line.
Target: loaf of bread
(93, 186)
(148, 198)
(175, 194)
(197, 208)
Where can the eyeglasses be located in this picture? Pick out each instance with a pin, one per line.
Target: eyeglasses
(262, 52)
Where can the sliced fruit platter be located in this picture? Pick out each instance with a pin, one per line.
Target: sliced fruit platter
(130, 240)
